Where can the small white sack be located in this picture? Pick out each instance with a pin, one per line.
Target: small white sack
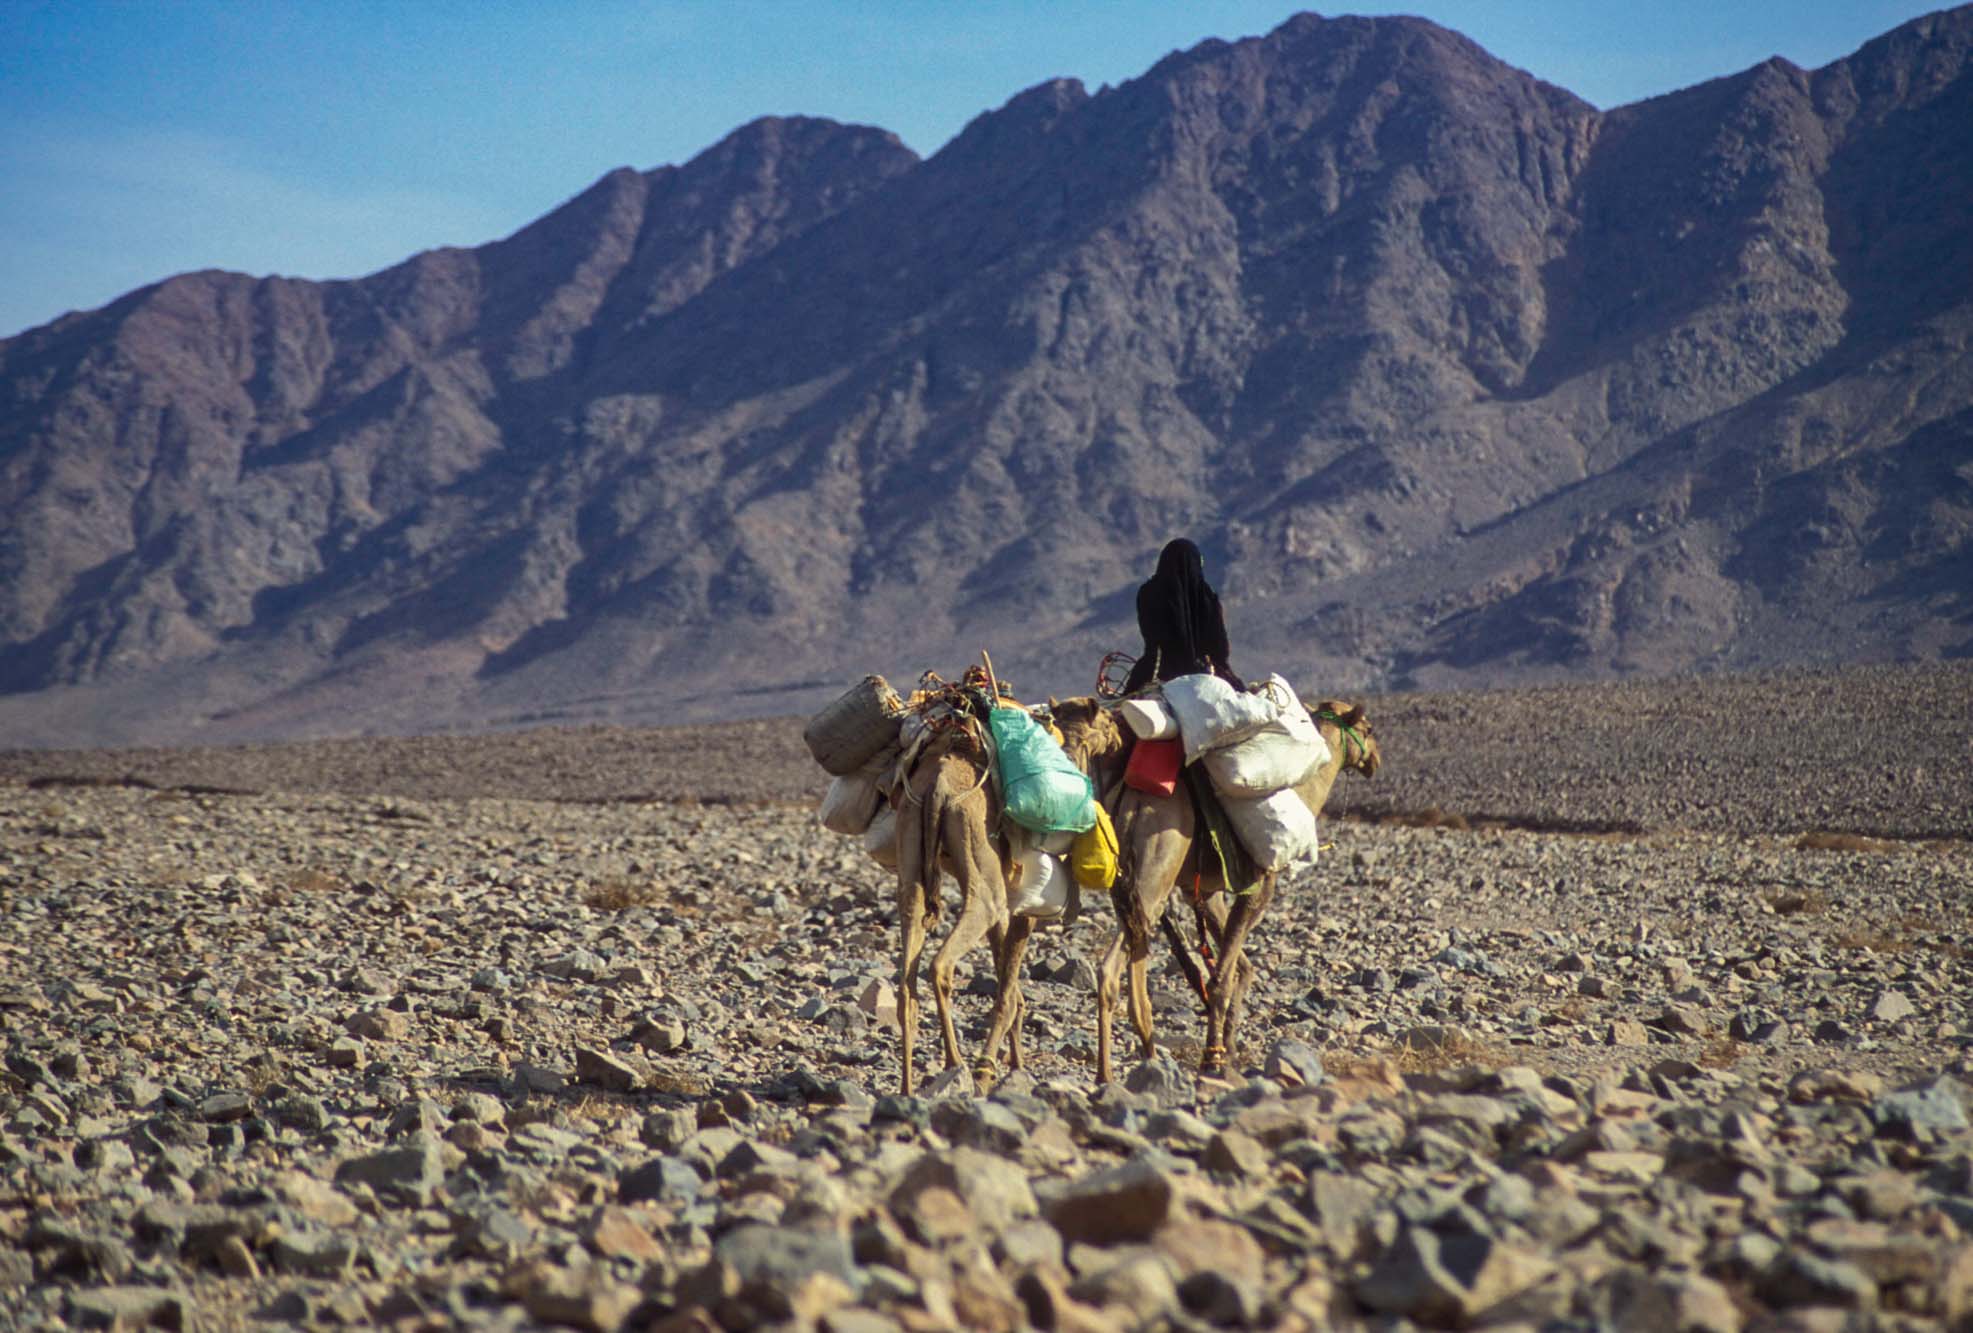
(1148, 719)
(1276, 830)
(1211, 713)
(850, 803)
(880, 839)
(1279, 755)
(1041, 885)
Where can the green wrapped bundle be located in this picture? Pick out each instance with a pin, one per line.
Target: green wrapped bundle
(1039, 786)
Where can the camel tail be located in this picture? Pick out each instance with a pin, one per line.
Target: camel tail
(1129, 904)
(931, 820)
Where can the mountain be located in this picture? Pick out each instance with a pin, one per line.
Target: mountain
(1456, 379)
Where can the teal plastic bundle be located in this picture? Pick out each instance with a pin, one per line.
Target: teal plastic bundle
(1040, 788)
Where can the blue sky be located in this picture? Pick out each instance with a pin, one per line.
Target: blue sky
(332, 138)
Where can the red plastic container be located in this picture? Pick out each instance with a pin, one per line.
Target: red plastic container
(1153, 767)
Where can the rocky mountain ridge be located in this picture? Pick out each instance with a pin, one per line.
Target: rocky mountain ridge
(1457, 379)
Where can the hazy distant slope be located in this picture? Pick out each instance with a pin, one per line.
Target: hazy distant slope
(1457, 379)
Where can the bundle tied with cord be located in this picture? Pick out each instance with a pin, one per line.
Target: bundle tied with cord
(1255, 746)
(871, 740)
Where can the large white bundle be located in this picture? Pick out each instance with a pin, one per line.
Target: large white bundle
(1041, 885)
(880, 839)
(1148, 718)
(1278, 755)
(1276, 830)
(850, 803)
(1211, 713)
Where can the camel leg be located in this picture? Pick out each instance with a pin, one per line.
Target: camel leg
(1010, 945)
(1141, 1016)
(911, 948)
(1163, 859)
(1018, 934)
(1159, 835)
(1137, 963)
(983, 905)
(1210, 914)
(1195, 975)
(1236, 1005)
(1230, 982)
(1109, 973)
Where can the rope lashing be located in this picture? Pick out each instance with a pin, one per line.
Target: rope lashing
(1349, 734)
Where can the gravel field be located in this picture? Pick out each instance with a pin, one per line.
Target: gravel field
(1635, 1006)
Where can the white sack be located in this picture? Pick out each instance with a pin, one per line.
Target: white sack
(1211, 713)
(1041, 885)
(850, 803)
(1277, 756)
(1276, 830)
(880, 839)
(1148, 719)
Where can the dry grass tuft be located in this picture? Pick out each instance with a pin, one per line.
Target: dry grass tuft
(1575, 1009)
(1913, 930)
(1721, 1054)
(601, 1110)
(1458, 1050)
(617, 895)
(1430, 817)
(1871, 939)
(310, 879)
(679, 1085)
(1842, 842)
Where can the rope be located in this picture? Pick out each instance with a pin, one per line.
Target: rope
(952, 705)
(1348, 734)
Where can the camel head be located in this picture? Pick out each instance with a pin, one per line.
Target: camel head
(1090, 734)
(1358, 745)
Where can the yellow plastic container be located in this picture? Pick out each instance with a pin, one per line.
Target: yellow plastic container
(1093, 857)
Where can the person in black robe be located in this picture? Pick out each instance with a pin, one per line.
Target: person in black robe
(1179, 615)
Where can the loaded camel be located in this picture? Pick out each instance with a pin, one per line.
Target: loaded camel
(1158, 851)
(948, 817)
(933, 758)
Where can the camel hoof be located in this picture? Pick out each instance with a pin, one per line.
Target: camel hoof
(1213, 1061)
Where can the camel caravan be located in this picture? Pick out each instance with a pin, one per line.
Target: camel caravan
(1186, 797)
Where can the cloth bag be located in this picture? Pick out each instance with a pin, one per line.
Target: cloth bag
(1040, 787)
(850, 803)
(1211, 713)
(1040, 887)
(1153, 767)
(880, 839)
(1276, 830)
(1278, 755)
(1148, 718)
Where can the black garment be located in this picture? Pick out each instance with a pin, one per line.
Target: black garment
(1179, 615)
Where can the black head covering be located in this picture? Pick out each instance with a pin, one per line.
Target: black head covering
(1181, 583)
(1180, 617)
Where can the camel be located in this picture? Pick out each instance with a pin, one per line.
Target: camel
(947, 815)
(1158, 851)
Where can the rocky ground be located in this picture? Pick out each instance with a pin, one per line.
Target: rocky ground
(1643, 1006)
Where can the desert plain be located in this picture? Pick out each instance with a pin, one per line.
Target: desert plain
(1641, 1005)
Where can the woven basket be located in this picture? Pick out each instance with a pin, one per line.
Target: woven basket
(852, 731)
